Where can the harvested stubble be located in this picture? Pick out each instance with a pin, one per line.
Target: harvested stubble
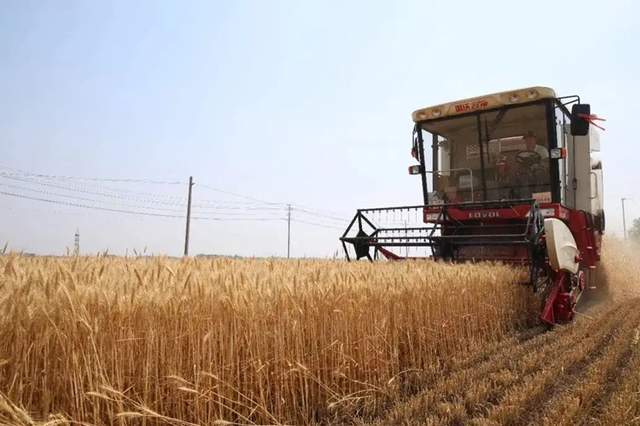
(112, 340)
(584, 373)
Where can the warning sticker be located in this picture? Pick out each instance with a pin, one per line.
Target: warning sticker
(542, 197)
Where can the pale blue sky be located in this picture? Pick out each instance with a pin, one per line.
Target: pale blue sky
(301, 102)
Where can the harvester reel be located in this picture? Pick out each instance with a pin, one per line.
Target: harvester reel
(538, 273)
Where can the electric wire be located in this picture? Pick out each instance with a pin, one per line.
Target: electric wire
(123, 180)
(321, 211)
(72, 204)
(84, 191)
(318, 214)
(140, 196)
(256, 219)
(247, 197)
(314, 223)
(133, 212)
(221, 209)
(78, 198)
(248, 211)
(248, 215)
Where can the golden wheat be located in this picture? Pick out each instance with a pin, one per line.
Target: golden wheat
(194, 341)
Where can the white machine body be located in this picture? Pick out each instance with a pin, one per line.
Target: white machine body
(561, 246)
(583, 179)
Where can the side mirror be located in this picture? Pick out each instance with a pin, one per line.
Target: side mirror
(579, 119)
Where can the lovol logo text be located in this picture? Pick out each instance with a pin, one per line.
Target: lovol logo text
(484, 214)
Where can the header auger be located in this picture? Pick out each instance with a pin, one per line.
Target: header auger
(515, 177)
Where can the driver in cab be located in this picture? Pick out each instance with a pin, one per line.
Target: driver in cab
(533, 164)
(532, 146)
(535, 158)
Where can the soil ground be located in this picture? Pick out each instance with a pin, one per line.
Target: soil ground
(587, 372)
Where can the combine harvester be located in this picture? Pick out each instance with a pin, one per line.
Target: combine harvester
(515, 177)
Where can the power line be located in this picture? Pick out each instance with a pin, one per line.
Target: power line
(218, 210)
(93, 179)
(71, 204)
(176, 201)
(315, 224)
(83, 191)
(249, 209)
(77, 198)
(145, 197)
(245, 208)
(313, 213)
(235, 194)
(321, 211)
(133, 212)
(91, 185)
(254, 219)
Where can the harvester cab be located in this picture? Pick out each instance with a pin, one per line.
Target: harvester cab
(514, 177)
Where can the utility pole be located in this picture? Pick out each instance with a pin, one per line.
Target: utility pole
(76, 243)
(186, 234)
(624, 219)
(288, 231)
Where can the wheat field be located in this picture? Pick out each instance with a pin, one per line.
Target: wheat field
(119, 341)
(106, 340)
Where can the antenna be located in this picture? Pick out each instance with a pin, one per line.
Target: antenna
(76, 243)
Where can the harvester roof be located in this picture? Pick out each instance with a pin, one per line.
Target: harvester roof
(494, 100)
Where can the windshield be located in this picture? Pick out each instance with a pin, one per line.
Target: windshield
(496, 155)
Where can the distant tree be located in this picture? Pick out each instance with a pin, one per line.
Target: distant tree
(634, 232)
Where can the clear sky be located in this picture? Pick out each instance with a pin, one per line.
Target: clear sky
(291, 102)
